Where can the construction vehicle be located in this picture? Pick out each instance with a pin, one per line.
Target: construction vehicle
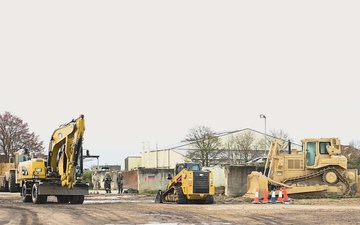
(8, 171)
(5, 176)
(190, 184)
(319, 170)
(60, 174)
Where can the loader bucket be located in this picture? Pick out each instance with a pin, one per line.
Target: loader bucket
(256, 181)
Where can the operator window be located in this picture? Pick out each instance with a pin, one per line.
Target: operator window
(323, 149)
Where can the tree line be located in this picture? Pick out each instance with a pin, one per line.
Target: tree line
(208, 147)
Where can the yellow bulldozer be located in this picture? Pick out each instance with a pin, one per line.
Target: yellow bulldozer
(319, 170)
(190, 184)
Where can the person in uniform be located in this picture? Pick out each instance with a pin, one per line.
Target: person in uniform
(120, 182)
(96, 182)
(107, 182)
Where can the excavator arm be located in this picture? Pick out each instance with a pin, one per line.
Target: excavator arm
(65, 151)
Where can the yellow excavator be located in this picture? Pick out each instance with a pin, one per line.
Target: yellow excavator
(190, 184)
(319, 170)
(60, 175)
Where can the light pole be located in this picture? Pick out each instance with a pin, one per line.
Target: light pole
(262, 116)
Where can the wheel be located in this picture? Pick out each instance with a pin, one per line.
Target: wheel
(81, 199)
(36, 198)
(24, 196)
(12, 182)
(77, 199)
(342, 187)
(6, 186)
(330, 177)
(74, 199)
(63, 199)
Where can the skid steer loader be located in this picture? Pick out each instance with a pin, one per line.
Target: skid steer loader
(189, 185)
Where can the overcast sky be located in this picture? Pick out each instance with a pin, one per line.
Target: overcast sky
(148, 71)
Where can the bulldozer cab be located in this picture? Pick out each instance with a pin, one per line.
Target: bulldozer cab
(323, 152)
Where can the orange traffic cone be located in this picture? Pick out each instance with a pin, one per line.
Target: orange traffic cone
(256, 199)
(280, 198)
(286, 197)
(265, 200)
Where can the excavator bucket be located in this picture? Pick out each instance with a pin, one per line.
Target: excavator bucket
(256, 181)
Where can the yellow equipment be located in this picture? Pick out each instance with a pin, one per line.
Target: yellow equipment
(318, 171)
(59, 175)
(189, 185)
(8, 171)
(5, 176)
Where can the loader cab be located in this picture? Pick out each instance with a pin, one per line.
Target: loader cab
(187, 166)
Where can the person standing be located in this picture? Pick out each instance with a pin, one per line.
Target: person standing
(96, 182)
(107, 182)
(120, 182)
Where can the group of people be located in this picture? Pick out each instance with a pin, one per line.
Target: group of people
(107, 182)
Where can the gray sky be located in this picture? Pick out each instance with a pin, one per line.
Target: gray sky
(148, 71)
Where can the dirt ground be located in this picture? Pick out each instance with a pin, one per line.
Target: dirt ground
(140, 209)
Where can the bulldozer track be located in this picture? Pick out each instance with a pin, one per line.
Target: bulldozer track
(318, 174)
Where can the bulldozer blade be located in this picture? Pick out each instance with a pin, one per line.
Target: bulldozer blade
(256, 181)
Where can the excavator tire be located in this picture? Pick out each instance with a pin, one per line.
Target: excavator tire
(77, 199)
(63, 199)
(81, 199)
(25, 195)
(37, 199)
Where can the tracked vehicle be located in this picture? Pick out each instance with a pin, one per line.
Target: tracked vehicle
(318, 171)
(189, 185)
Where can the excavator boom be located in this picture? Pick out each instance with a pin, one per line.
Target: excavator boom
(64, 150)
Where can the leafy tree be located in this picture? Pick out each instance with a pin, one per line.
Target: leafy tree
(15, 135)
(205, 145)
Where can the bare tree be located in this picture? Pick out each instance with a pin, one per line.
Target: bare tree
(241, 147)
(355, 144)
(205, 145)
(279, 134)
(15, 135)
